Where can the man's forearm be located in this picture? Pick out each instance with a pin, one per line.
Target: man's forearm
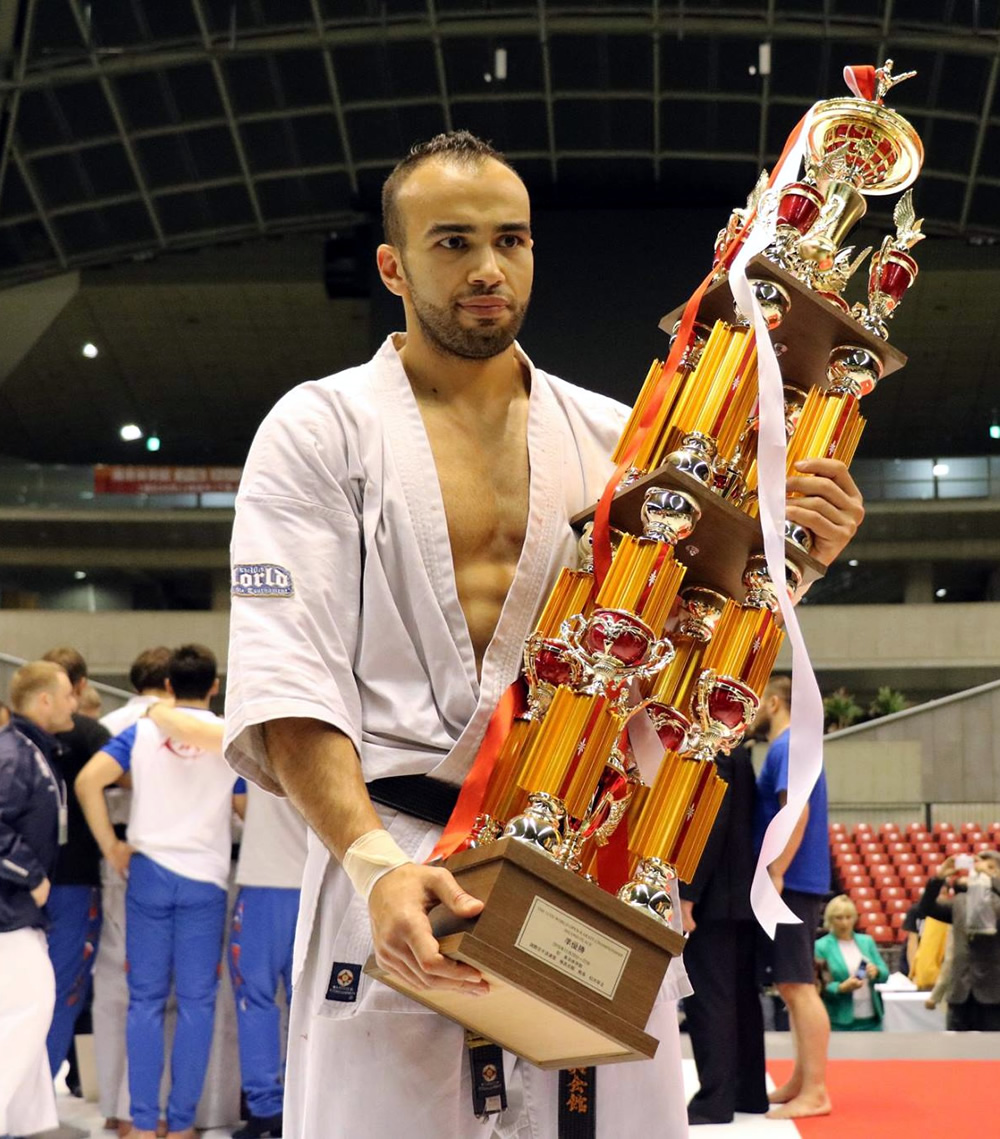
(95, 810)
(784, 859)
(175, 721)
(319, 770)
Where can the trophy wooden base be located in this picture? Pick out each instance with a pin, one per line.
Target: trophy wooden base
(573, 972)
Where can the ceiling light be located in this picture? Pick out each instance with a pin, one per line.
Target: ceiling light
(89, 350)
(853, 562)
(500, 63)
(940, 592)
(939, 470)
(153, 443)
(995, 430)
(130, 432)
(79, 575)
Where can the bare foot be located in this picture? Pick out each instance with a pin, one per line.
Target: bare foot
(786, 1092)
(187, 1133)
(801, 1107)
(124, 1128)
(135, 1134)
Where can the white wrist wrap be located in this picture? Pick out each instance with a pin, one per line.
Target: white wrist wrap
(370, 858)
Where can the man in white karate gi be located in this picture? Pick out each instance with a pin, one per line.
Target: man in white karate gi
(397, 527)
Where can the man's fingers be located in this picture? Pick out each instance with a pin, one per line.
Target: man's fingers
(454, 897)
(432, 963)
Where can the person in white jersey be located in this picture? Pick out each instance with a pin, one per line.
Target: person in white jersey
(148, 676)
(177, 862)
(397, 527)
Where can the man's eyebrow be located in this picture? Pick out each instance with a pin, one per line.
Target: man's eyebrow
(444, 228)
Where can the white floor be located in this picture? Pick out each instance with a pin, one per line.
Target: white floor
(76, 1113)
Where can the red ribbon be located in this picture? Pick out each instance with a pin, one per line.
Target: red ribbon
(861, 80)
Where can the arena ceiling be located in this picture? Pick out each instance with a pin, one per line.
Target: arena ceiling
(132, 131)
(134, 126)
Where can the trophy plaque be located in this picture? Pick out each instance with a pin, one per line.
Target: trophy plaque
(670, 615)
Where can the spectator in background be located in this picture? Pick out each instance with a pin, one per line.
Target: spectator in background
(177, 860)
(148, 676)
(854, 965)
(723, 1016)
(974, 987)
(32, 825)
(90, 702)
(801, 875)
(4, 715)
(269, 874)
(75, 902)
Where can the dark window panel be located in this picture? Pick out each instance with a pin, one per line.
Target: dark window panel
(592, 124)
(229, 205)
(328, 193)
(266, 144)
(213, 152)
(55, 31)
(219, 15)
(870, 10)
(36, 124)
(362, 72)
(484, 6)
(601, 62)
(412, 70)
(601, 181)
(685, 64)
(468, 61)
(989, 163)
(736, 127)
(796, 68)
(370, 188)
(388, 134)
(186, 212)
(712, 184)
(951, 147)
(985, 208)
(278, 13)
(303, 78)
(141, 99)
(58, 179)
(16, 199)
(126, 224)
(938, 199)
(113, 25)
(164, 160)
(282, 198)
(195, 92)
(171, 21)
(108, 170)
(250, 86)
(85, 109)
(370, 9)
(736, 57)
(25, 244)
(318, 139)
(508, 126)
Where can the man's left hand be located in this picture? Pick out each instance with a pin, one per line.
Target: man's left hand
(831, 507)
(777, 879)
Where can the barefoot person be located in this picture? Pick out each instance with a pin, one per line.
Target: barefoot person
(801, 874)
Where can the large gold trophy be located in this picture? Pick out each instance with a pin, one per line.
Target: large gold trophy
(571, 849)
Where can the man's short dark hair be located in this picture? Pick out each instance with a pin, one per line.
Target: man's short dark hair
(149, 669)
(454, 146)
(71, 661)
(780, 686)
(192, 672)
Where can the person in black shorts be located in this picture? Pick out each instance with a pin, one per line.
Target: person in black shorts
(801, 874)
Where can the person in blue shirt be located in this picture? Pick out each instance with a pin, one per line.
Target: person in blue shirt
(801, 875)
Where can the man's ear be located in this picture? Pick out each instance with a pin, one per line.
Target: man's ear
(168, 686)
(214, 690)
(390, 269)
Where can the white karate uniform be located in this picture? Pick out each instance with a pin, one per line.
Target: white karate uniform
(345, 610)
(27, 998)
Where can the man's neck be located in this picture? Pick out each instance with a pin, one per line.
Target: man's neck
(192, 703)
(445, 378)
(778, 725)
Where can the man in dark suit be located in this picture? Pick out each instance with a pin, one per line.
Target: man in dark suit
(724, 1018)
(974, 991)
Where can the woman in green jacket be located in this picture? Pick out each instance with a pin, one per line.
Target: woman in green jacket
(853, 963)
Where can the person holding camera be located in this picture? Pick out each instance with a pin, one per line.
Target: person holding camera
(973, 913)
(854, 965)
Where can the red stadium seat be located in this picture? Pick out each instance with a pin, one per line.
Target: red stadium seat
(905, 858)
(863, 832)
(928, 847)
(912, 828)
(869, 906)
(871, 847)
(888, 892)
(940, 829)
(897, 918)
(895, 905)
(862, 893)
(968, 828)
(899, 846)
(882, 934)
(887, 830)
(847, 858)
(838, 828)
(882, 878)
(843, 848)
(956, 848)
(877, 858)
(916, 888)
(972, 837)
(901, 934)
(984, 844)
(993, 828)
(855, 882)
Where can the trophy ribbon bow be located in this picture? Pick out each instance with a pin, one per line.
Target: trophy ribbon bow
(861, 80)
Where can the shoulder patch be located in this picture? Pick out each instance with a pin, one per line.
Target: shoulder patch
(262, 579)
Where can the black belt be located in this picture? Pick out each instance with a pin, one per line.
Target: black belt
(417, 795)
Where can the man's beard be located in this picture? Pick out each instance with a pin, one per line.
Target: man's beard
(441, 327)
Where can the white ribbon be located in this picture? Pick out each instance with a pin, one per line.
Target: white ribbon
(805, 759)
